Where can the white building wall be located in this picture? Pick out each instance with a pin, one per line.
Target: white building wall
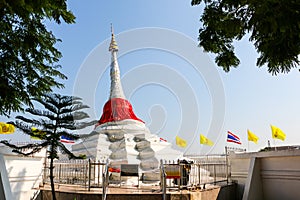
(275, 174)
(5, 191)
(20, 175)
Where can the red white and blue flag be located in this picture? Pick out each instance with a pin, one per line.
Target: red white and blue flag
(162, 140)
(233, 138)
(66, 139)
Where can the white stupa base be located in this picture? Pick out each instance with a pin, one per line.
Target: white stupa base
(126, 142)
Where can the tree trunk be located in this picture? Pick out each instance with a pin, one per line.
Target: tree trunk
(52, 178)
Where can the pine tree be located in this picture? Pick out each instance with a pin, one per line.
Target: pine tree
(62, 115)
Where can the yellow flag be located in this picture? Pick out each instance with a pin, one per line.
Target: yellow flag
(277, 133)
(38, 133)
(204, 140)
(180, 142)
(252, 137)
(6, 128)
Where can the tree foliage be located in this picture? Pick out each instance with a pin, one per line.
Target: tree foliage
(62, 116)
(28, 58)
(274, 27)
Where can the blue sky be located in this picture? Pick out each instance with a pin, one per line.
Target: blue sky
(253, 98)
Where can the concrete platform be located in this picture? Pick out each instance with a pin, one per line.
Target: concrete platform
(71, 192)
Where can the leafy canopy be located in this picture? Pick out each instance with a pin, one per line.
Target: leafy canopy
(28, 58)
(274, 26)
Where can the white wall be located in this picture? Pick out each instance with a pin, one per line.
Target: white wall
(277, 174)
(5, 193)
(23, 173)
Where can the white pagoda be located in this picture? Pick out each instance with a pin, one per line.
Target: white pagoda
(120, 136)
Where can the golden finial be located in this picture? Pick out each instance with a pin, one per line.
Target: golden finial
(113, 44)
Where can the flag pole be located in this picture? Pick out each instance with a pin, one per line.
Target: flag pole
(248, 147)
(248, 139)
(274, 144)
(226, 156)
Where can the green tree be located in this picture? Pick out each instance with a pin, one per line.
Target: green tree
(28, 58)
(274, 27)
(62, 115)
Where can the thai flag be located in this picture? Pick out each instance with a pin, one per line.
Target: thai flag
(162, 140)
(66, 139)
(233, 138)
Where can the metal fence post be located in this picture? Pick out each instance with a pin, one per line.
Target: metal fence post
(89, 175)
(59, 174)
(98, 173)
(103, 186)
(45, 169)
(105, 177)
(226, 156)
(215, 174)
(85, 174)
(164, 186)
(199, 174)
(163, 180)
(180, 173)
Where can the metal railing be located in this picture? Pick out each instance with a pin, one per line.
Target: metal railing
(202, 171)
(77, 172)
(35, 195)
(90, 174)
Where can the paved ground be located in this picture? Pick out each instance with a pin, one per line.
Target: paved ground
(117, 189)
(71, 192)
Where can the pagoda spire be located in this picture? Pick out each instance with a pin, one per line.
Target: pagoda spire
(117, 108)
(116, 90)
